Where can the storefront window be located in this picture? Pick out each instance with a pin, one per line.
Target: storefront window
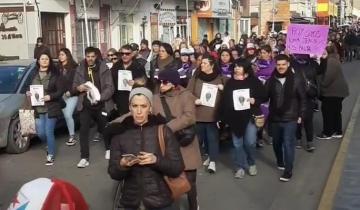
(126, 29)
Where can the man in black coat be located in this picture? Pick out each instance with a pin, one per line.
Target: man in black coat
(286, 91)
(127, 62)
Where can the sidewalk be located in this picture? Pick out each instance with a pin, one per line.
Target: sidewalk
(348, 193)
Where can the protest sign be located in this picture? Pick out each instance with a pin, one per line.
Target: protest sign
(208, 94)
(307, 39)
(124, 76)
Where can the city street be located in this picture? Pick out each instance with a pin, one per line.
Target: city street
(216, 192)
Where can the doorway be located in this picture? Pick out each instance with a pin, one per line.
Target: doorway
(53, 31)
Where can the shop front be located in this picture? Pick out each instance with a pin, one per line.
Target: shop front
(211, 17)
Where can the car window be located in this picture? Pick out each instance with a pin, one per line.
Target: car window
(28, 80)
(10, 77)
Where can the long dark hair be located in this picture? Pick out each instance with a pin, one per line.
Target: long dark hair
(70, 60)
(51, 68)
(229, 52)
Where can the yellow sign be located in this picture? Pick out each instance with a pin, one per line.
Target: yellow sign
(322, 7)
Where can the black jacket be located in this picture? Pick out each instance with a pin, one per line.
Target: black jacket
(307, 68)
(296, 99)
(238, 120)
(121, 98)
(154, 66)
(68, 78)
(143, 183)
(55, 90)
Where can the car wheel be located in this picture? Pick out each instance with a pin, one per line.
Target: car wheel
(16, 142)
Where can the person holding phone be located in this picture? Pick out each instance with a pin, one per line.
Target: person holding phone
(136, 159)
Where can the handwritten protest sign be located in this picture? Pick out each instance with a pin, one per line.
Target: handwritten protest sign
(307, 39)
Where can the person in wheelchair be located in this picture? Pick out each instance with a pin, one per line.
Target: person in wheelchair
(136, 158)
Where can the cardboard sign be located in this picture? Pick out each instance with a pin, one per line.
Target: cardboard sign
(307, 39)
(241, 99)
(37, 95)
(124, 76)
(208, 94)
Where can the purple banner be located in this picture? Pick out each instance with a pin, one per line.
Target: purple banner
(307, 39)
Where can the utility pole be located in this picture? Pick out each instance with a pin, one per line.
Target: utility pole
(26, 26)
(187, 23)
(273, 17)
(86, 24)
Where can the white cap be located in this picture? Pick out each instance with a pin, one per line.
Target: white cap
(250, 45)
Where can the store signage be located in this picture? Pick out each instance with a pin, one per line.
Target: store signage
(167, 17)
(92, 9)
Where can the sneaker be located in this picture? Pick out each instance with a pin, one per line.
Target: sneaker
(240, 174)
(260, 143)
(298, 144)
(281, 167)
(83, 163)
(107, 155)
(253, 170)
(49, 160)
(212, 167)
(286, 177)
(323, 137)
(97, 137)
(71, 141)
(310, 147)
(337, 136)
(206, 162)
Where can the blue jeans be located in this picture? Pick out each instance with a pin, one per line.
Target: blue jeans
(244, 148)
(45, 128)
(208, 135)
(284, 141)
(68, 112)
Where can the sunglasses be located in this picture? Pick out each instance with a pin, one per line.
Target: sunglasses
(164, 82)
(125, 53)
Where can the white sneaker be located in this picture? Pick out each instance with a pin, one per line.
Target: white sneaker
(212, 167)
(240, 174)
(107, 155)
(253, 170)
(206, 162)
(83, 163)
(49, 160)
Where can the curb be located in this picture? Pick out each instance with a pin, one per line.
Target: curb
(333, 181)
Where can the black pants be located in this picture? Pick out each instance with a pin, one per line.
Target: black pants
(331, 108)
(86, 116)
(192, 194)
(307, 122)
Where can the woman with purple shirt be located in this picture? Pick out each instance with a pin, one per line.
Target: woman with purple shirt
(225, 63)
(265, 66)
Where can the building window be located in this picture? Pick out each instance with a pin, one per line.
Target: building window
(126, 29)
(81, 36)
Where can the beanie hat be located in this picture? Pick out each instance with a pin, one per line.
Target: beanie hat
(170, 75)
(250, 46)
(141, 91)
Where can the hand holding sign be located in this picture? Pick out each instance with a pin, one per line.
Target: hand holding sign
(125, 80)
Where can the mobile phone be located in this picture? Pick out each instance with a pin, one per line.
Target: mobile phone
(130, 157)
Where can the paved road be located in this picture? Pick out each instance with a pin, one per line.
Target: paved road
(219, 191)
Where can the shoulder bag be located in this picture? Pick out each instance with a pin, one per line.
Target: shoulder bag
(179, 185)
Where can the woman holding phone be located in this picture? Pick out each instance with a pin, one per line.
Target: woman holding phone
(136, 159)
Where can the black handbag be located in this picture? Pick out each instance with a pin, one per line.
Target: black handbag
(310, 88)
(184, 136)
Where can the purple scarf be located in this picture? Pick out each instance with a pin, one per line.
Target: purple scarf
(265, 69)
(225, 70)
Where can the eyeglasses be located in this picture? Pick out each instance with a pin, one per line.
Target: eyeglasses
(125, 53)
(164, 82)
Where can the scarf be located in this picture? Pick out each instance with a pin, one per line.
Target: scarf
(207, 77)
(163, 63)
(226, 70)
(288, 91)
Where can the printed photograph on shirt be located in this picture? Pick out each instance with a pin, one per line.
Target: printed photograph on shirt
(124, 76)
(37, 95)
(208, 94)
(241, 98)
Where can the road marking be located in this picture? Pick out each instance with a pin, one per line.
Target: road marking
(328, 196)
